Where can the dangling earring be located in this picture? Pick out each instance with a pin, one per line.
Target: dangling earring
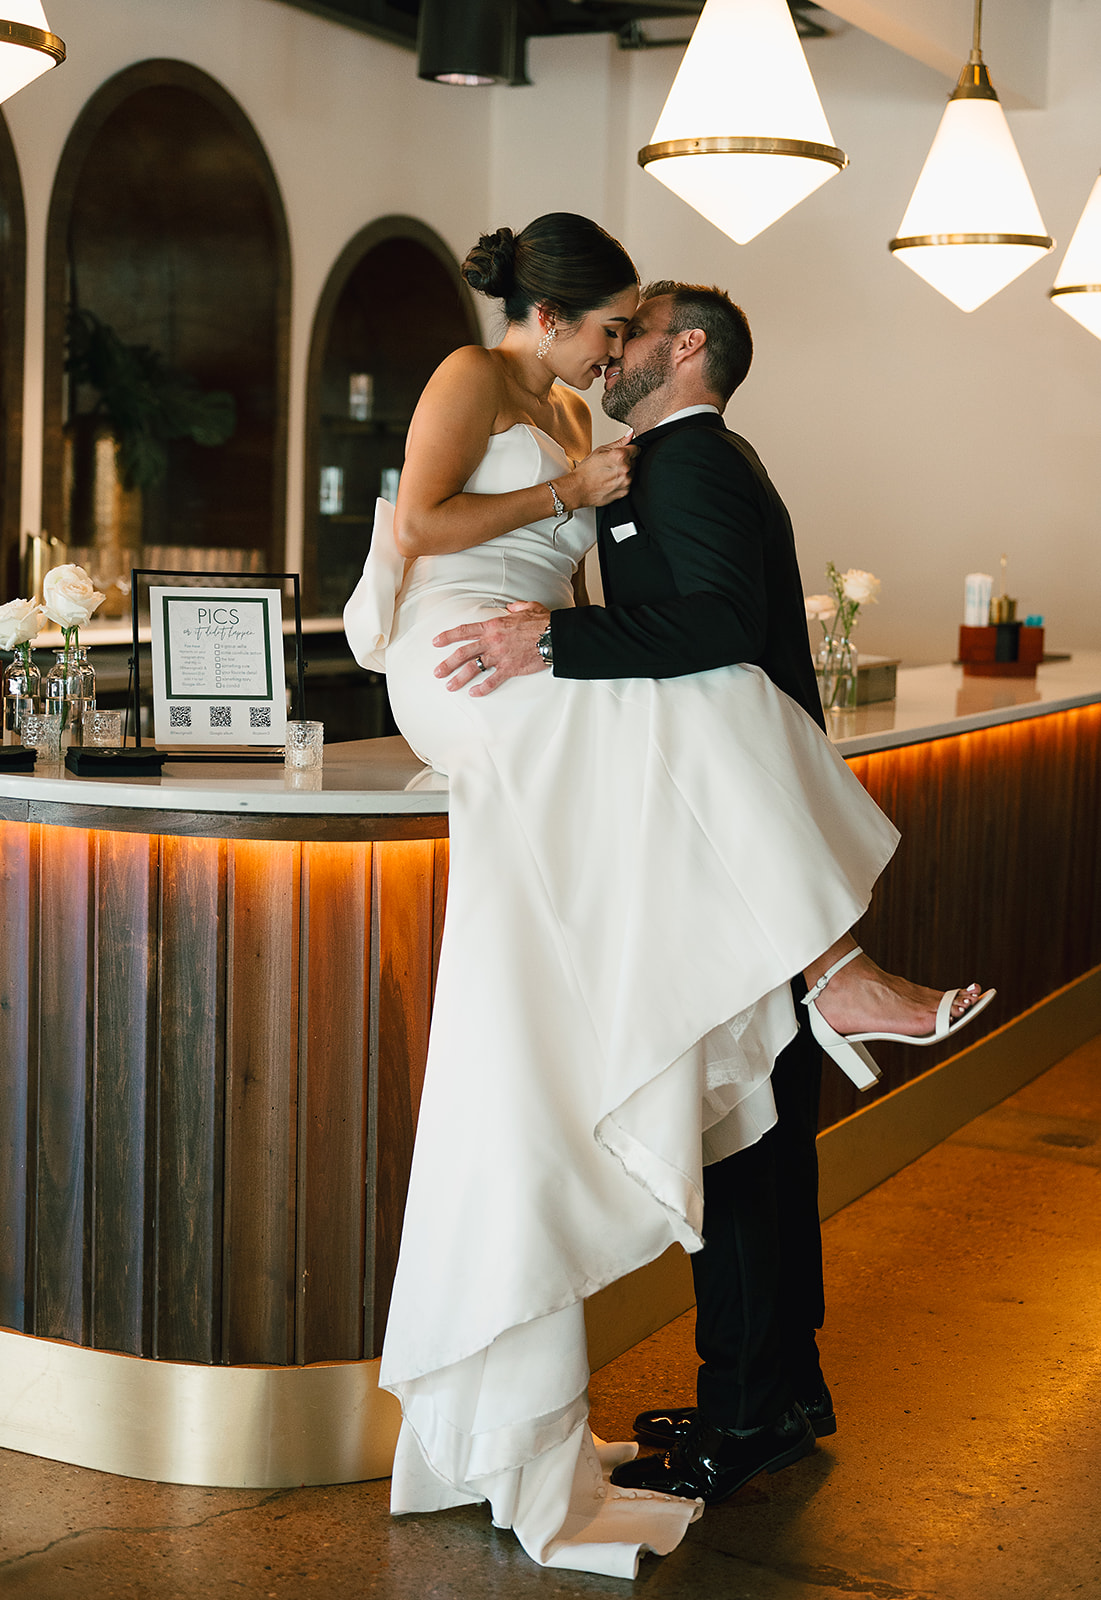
(550, 334)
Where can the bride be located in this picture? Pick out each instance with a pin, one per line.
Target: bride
(613, 985)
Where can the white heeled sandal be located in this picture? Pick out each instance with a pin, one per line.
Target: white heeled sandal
(847, 1049)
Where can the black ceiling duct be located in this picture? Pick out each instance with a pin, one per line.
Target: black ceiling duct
(471, 43)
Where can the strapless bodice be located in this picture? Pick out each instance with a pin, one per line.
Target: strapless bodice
(533, 562)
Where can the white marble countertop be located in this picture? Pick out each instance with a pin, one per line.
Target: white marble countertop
(367, 777)
(382, 777)
(935, 702)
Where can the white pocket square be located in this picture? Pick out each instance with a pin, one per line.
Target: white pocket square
(626, 530)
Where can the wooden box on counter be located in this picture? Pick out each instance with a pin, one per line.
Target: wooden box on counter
(1003, 650)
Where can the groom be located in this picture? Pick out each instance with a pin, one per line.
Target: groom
(699, 571)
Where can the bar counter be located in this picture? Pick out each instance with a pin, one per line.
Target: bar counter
(215, 988)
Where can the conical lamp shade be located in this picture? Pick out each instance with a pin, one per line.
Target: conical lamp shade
(743, 137)
(1077, 286)
(972, 224)
(27, 47)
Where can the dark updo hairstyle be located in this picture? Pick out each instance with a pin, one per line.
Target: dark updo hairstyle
(561, 260)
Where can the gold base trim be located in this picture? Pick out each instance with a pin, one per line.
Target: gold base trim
(729, 145)
(872, 1145)
(33, 39)
(1074, 288)
(216, 1427)
(1037, 240)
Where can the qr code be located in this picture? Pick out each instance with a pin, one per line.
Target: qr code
(179, 716)
(259, 716)
(221, 716)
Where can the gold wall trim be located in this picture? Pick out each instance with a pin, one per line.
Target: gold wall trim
(873, 1144)
(217, 1427)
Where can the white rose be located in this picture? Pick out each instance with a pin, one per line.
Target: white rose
(863, 587)
(819, 606)
(20, 620)
(69, 596)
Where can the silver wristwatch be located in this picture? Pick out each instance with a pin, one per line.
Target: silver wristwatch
(543, 645)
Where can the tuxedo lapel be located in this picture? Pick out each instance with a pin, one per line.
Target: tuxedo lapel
(632, 571)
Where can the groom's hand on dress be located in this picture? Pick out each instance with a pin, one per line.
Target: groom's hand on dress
(504, 647)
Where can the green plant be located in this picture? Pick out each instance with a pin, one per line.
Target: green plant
(143, 400)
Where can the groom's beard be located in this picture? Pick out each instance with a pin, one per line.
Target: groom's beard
(632, 387)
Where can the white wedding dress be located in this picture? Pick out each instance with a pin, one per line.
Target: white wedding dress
(638, 868)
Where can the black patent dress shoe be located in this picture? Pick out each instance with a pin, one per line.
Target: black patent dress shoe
(666, 1427)
(710, 1463)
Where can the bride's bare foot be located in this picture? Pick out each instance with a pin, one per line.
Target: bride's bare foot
(862, 998)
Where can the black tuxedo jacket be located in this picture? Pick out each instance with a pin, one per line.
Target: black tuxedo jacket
(699, 570)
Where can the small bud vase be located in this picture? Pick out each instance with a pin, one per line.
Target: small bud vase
(835, 665)
(69, 690)
(22, 688)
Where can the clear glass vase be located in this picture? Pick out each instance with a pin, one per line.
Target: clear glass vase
(22, 690)
(836, 665)
(69, 690)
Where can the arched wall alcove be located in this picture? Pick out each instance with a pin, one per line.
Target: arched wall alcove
(13, 285)
(392, 308)
(167, 222)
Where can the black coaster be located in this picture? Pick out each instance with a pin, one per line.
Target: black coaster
(114, 763)
(17, 758)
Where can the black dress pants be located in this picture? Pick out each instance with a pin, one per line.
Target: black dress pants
(758, 1278)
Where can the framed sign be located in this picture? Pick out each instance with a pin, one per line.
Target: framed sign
(217, 657)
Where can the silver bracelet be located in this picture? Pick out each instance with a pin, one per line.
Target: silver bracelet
(559, 509)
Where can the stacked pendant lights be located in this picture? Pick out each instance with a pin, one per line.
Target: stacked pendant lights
(742, 138)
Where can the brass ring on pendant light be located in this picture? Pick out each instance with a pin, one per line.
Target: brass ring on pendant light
(33, 39)
(1038, 240)
(1074, 288)
(724, 144)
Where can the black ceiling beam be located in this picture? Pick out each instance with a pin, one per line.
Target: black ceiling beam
(396, 20)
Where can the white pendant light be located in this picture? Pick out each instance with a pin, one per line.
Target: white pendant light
(1077, 286)
(27, 47)
(972, 224)
(742, 136)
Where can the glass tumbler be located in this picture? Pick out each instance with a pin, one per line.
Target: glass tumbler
(103, 729)
(42, 731)
(305, 745)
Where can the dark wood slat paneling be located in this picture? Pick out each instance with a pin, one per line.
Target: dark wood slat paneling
(261, 1101)
(61, 1246)
(332, 1195)
(441, 858)
(125, 1007)
(18, 998)
(403, 883)
(997, 877)
(191, 1063)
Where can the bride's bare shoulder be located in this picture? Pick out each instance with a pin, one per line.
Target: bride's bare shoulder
(469, 374)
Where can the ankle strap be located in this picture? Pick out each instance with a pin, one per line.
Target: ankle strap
(812, 994)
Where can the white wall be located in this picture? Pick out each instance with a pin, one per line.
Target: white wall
(906, 437)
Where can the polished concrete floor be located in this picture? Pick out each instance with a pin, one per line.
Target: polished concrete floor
(964, 1351)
